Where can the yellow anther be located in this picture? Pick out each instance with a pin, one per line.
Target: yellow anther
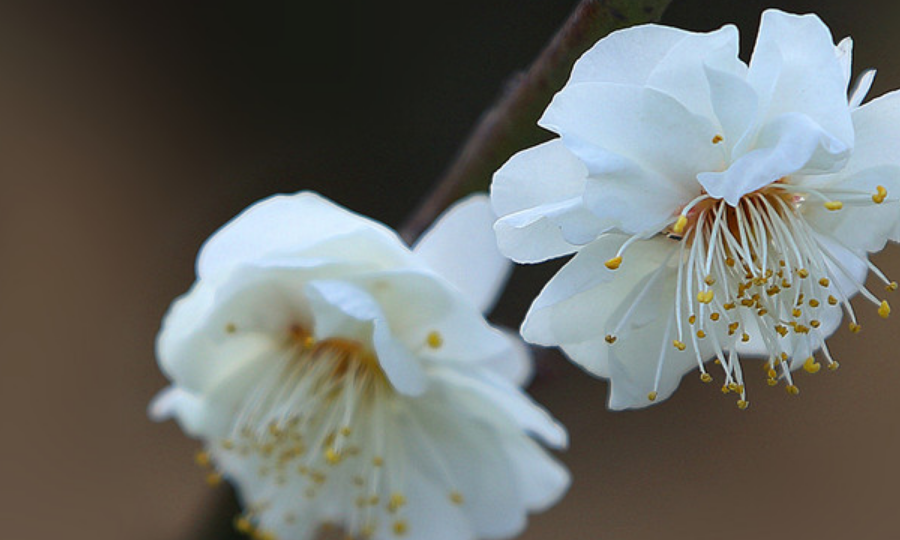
(434, 339)
(796, 312)
(725, 389)
(855, 328)
(803, 273)
(832, 300)
(706, 377)
(762, 311)
(815, 323)
(772, 382)
(243, 525)
(610, 338)
(680, 224)
(891, 287)
(214, 479)
(729, 261)
(880, 194)
(400, 527)
(701, 334)
(333, 456)
(728, 306)
(801, 329)
(781, 330)
(792, 389)
(824, 282)
(743, 404)
(732, 328)
(709, 280)
(692, 319)
(833, 366)
(705, 297)
(884, 310)
(811, 366)
(202, 459)
(396, 502)
(813, 302)
(772, 374)
(614, 263)
(346, 431)
(714, 316)
(652, 396)
(230, 328)
(377, 461)
(717, 139)
(456, 498)
(834, 205)
(733, 387)
(745, 337)
(773, 290)
(679, 344)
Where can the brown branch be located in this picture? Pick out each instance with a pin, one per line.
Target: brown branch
(510, 124)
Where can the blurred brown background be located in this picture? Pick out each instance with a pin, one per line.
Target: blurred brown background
(130, 131)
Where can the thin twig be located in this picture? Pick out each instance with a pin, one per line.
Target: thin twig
(510, 124)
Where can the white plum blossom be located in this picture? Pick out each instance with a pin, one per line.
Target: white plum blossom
(715, 209)
(339, 379)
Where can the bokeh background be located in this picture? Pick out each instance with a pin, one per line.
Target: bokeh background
(129, 131)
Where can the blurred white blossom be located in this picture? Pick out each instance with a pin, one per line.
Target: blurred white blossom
(715, 209)
(339, 379)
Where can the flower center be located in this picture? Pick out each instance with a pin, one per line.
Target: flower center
(757, 277)
(318, 424)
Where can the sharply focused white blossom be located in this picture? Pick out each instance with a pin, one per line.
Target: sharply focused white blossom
(715, 209)
(339, 379)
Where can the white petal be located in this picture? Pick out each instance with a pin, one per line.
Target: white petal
(416, 303)
(794, 69)
(682, 73)
(627, 56)
(186, 408)
(735, 104)
(877, 125)
(402, 368)
(349, 312)
(548, 231)
(667, 59)
(541, 479)
(635, 200)
(480, 471)
(210, 333)
(515, 364)
(485, 393)
(537, 195)
(844, 52)
(866, 227)
(790, 144)
(585, 300)
(861, 88)
(282, 224)
(461, 247)
(642, 125)
(644, 349)
(341, 310)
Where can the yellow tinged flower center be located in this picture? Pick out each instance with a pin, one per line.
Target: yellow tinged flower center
(320, 413)
(757, 271)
